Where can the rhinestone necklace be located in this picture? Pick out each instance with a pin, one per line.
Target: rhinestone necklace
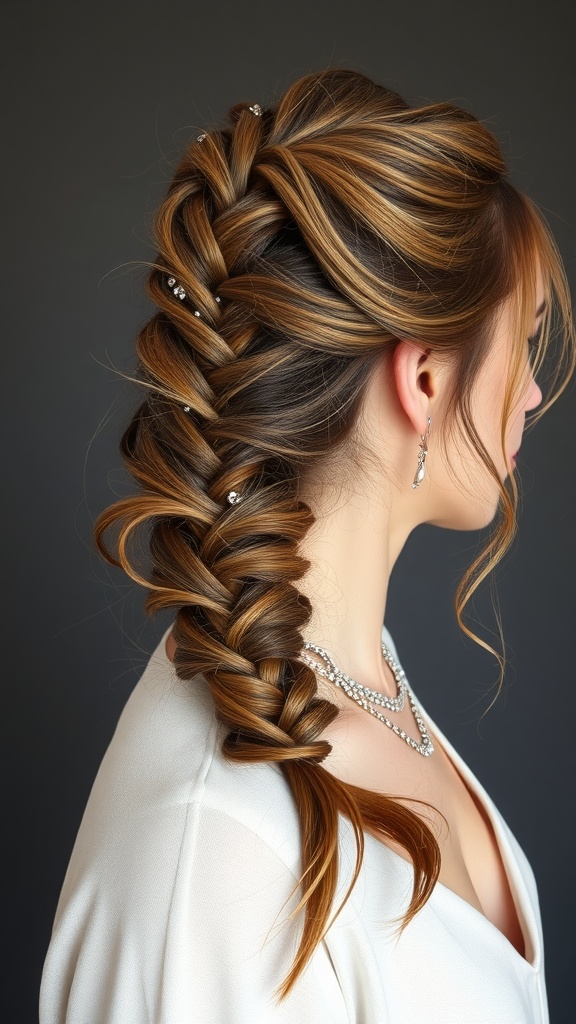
(370, 700)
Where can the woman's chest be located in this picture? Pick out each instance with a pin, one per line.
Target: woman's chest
(471, 861)
(368, 754)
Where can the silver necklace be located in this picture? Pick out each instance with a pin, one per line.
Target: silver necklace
(370, 700)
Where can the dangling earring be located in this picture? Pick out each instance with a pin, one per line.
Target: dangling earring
(420, 469)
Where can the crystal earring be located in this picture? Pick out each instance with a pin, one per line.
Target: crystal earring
(420, 469)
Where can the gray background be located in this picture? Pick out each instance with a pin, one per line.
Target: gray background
(97, 105)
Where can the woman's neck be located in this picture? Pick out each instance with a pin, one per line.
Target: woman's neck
(352, 551)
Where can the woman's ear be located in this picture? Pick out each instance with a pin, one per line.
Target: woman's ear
(415, 375)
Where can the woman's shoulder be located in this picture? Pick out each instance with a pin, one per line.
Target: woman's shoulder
(166, 753)
(183, 860)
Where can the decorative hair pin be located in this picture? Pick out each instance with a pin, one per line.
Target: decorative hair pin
(179, 291)
(197, 311)
(255, 109)
(177, 288)
(233, 497)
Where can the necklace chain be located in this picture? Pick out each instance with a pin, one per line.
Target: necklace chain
(371, 700)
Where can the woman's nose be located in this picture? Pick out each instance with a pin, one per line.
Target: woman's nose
(533, 395)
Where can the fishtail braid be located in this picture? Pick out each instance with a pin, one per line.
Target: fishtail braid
(230, 571)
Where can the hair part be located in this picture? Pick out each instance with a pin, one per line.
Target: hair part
(334, 224)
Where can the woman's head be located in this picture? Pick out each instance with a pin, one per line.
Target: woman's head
(410, 384)
(335, 226)
(373, 266)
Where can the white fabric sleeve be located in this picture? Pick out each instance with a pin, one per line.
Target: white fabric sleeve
(243, 945)
(209, 944)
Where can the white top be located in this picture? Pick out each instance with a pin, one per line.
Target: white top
(172, 907)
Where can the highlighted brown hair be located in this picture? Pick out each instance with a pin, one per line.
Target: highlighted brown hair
(335, 223)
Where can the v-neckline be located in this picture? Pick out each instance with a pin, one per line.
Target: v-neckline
(520, 896)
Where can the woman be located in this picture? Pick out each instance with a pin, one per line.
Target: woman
(353, 307)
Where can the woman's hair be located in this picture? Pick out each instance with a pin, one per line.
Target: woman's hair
(335, 223)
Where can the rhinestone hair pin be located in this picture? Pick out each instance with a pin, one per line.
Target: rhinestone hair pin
(177, 288)
(181, 294)
(255, 109)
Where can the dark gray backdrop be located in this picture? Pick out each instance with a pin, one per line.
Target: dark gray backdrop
(98, 103)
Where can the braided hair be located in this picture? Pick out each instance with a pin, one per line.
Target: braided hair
(307, 238)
